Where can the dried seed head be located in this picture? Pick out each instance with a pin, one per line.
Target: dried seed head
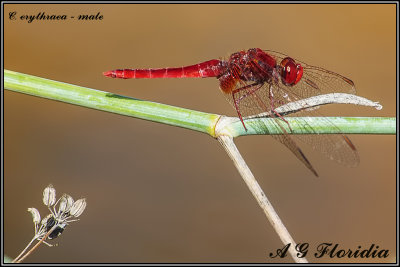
(35, 215)
(57, 220)
(66, 203)
(78, 207)
(49, 196)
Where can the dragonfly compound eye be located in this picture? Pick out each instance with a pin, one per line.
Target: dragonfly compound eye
(291, 72)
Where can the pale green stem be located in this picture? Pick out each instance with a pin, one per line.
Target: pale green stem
(311, 125)
(190, 119)
(105, 101)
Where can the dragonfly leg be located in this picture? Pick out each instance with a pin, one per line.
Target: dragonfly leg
(237, 101)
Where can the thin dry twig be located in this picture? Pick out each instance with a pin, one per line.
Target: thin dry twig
(19, 260)
(251, 182)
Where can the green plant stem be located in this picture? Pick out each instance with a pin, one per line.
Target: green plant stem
(190, 119)
(105, 101)
(315, 125)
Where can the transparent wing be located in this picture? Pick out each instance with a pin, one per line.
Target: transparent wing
(252, 99)
(317, 81)
(337, 147)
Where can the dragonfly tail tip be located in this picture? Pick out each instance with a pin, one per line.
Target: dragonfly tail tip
(108, 73)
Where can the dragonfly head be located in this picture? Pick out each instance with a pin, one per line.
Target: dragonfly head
(291, 72)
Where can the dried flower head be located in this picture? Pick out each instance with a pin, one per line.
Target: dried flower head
(62, 212)
(54, 223)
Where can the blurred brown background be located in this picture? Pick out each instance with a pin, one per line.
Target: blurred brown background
(157, 193)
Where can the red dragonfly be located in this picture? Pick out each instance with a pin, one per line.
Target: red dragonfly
(258, 81)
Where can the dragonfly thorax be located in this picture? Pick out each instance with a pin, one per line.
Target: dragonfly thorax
(251, 65)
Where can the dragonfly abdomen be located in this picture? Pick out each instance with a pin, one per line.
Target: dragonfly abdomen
(211, 68)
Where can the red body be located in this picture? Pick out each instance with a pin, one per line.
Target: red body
(211, 68)
(252, 65)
